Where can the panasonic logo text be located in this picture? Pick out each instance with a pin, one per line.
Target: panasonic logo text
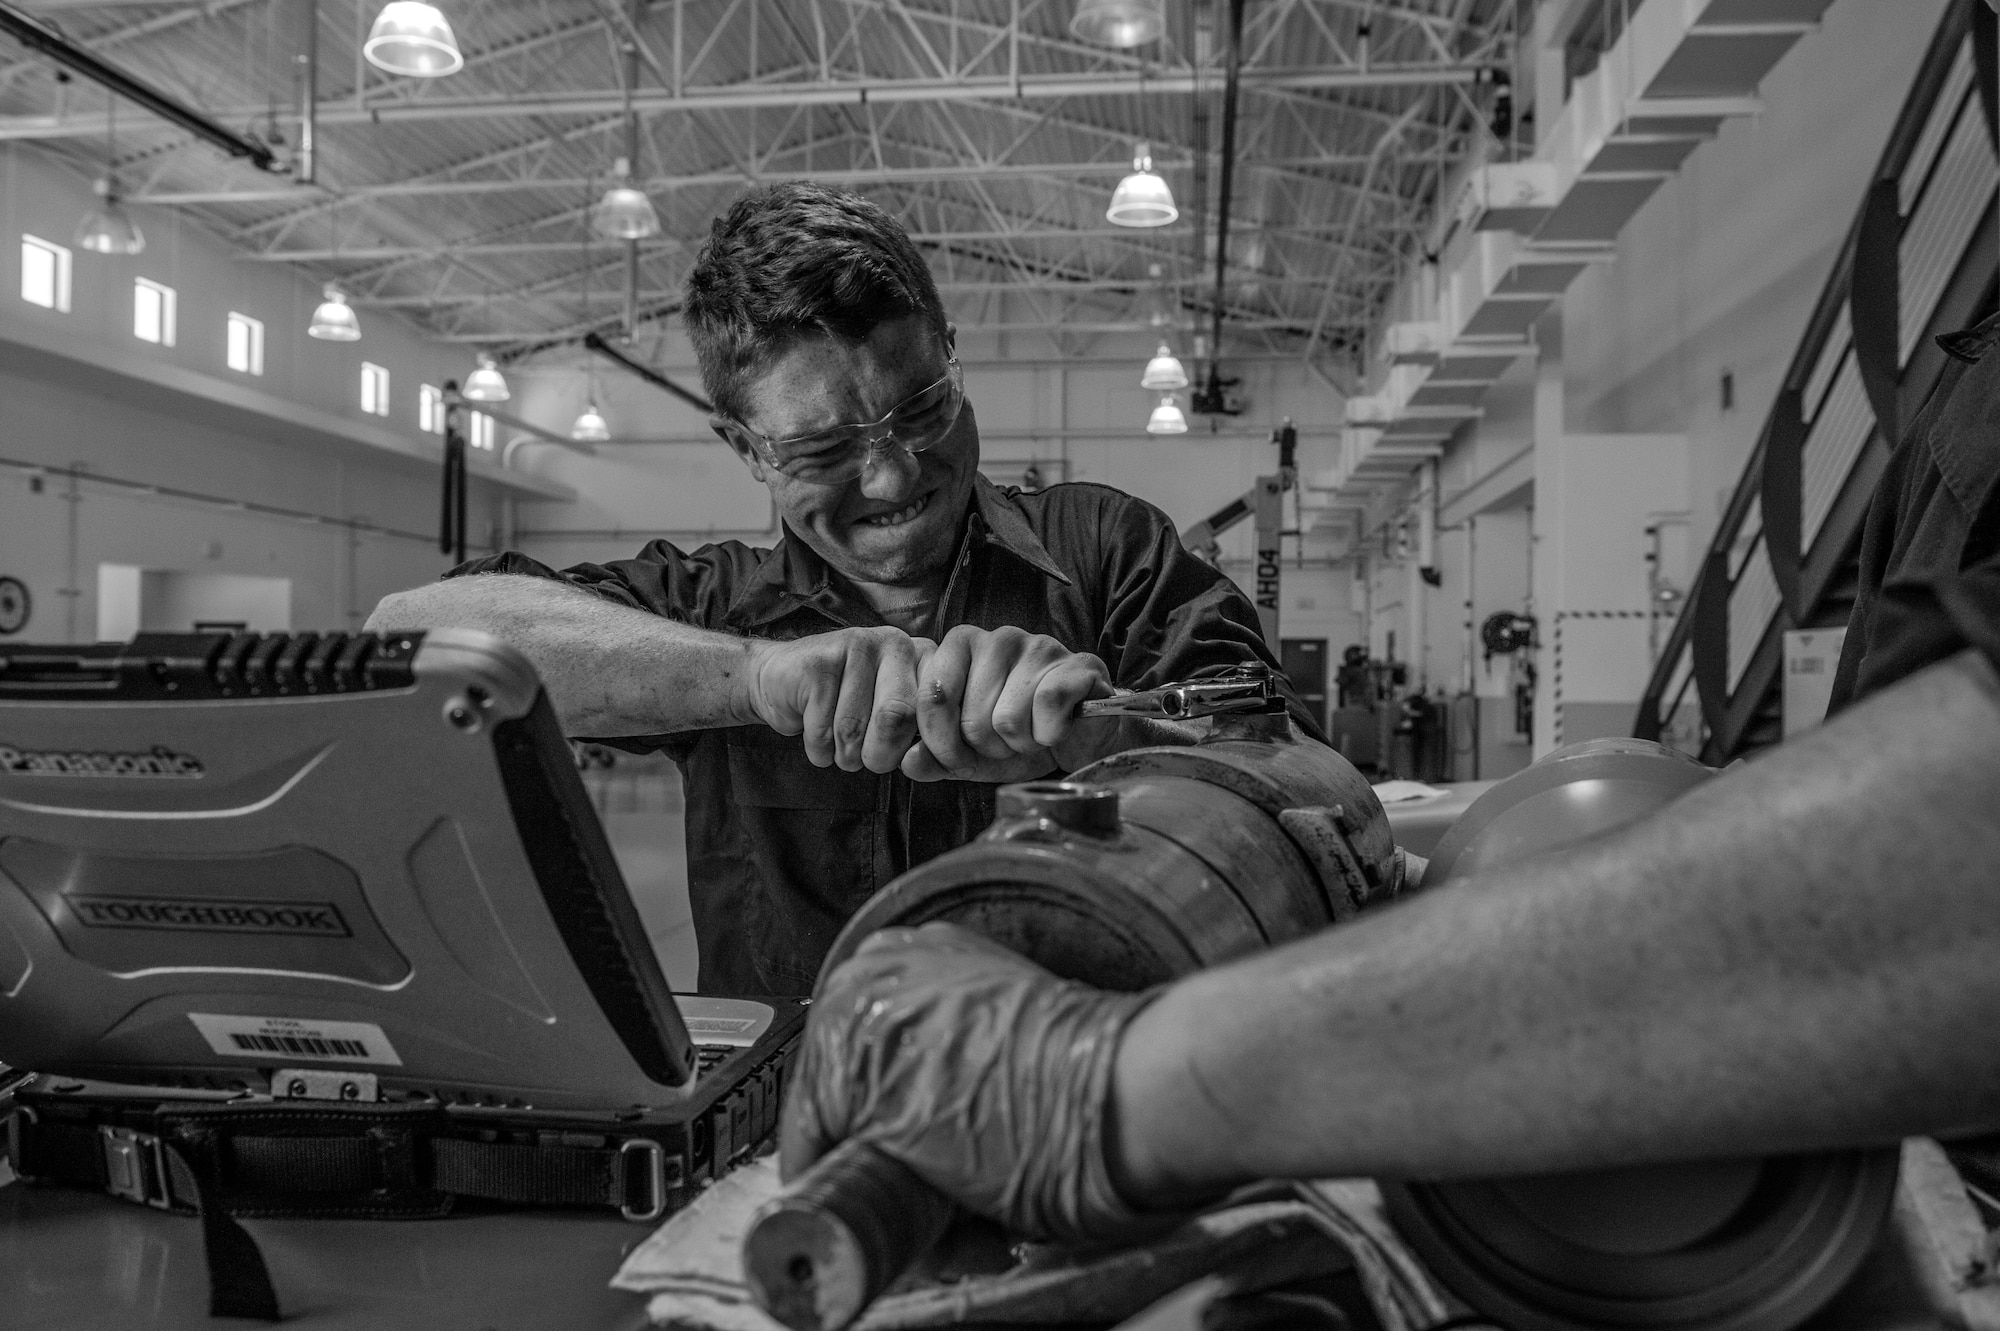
(161, 762)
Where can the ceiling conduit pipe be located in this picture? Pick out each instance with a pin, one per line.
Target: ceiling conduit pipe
(595, 342)
(42, 39)
(628, 75)
(306, 63)
(1230, 86)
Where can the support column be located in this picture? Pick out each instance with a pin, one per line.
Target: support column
(1596, 495)
(1545, 545)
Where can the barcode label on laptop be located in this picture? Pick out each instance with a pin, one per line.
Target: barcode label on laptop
(290, 1038)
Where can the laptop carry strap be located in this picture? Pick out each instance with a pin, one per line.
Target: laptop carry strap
(352, 1161)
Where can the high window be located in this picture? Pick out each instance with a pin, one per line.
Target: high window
(246, 344)
(152, 312)
(430, 409)
(479, 432)
(45, 274)
(374, 389)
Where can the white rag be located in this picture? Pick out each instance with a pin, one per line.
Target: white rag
(693, 1268)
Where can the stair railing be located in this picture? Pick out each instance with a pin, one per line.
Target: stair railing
(1919, 258)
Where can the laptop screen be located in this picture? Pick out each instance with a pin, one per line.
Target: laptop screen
(222, 854)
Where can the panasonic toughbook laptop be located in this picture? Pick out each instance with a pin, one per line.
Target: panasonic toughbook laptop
(305, 887)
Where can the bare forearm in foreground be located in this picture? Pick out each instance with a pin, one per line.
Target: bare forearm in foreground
(1799, 954)
(609, 669)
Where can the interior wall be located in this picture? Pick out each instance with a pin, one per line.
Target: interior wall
(1719, 271)
(58, 526)
(45, 198)
(76, 438)
(1716, 274)
(1079, 420)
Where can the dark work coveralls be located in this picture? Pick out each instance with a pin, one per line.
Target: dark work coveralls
(781, 853)
(1930, 566)
(1927, 553)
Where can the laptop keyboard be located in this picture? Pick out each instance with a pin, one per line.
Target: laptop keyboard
(707, 1056)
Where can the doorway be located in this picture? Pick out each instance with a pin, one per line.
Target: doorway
(1304, 662)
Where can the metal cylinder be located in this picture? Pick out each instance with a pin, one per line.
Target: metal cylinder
(1718, 1245)
(1160, 861)
(826, 1249)
(1139, 869)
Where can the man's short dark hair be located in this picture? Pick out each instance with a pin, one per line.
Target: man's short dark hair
(794, 260)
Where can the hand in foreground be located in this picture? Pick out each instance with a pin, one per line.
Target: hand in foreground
(996, 705)
(986, 1075)
(852, 694)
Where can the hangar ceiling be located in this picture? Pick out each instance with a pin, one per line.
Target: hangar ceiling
(461, 202)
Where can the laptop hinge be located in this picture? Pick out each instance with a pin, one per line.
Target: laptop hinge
(319, 1084)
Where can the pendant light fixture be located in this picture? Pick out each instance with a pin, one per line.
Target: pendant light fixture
(109, 229)
(1167, 418)
(485, 384)
(1164, 371)
(590, 427)
(334, 320)
(1119, 23)
(413, 39)
(1142, 198)
(624, 213)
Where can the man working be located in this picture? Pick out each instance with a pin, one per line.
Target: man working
(840, 706)
(1802, 953)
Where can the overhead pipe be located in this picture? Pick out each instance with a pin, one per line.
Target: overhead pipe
(1231, 88)
(840, 92)
(629, 76)
(43, 39)
(596, 342)
(1204, 53)
(306, 60)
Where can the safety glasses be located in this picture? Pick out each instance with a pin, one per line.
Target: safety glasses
(838, 455)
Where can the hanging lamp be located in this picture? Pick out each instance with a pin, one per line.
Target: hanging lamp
(1167, 418)
(109, 229)
(413, 39)
(485, 384)
(1142, 198)
(334, 320)
(1119, 23)
(590, 427)
(1164, 371)
(624, 213)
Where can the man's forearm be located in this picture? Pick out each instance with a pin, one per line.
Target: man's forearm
(609, 669)
(1797, 954)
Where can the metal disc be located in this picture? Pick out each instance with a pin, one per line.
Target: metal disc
(1734, 1246)
(1728, 1245)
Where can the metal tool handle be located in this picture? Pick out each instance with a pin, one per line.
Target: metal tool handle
(1247, 689)
(816, 1257)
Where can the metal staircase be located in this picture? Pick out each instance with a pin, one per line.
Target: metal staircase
(1921, 259)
